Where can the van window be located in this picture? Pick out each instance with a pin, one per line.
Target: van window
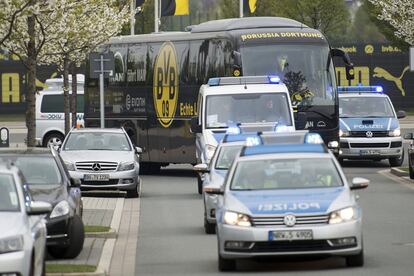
(54, 104)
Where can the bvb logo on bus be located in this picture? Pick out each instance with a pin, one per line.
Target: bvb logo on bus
(166, 84)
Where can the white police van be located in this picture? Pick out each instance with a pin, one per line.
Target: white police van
(50, 117)
(253, 103)
(369, 127)
(258, 103)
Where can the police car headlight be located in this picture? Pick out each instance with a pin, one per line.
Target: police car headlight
(126, 166)
(11, 244)
(343, 215)
(395, 133)
(70, 166)
(210, 149)
(343, 133)
(233, 218)
(61, 209)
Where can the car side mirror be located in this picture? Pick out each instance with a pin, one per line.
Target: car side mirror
(213, 190)
(38, 208)
(359, 183)
(75, 183)
(237, 66)
(401, 114)
(409, 136)
(195, 127)
(349, 67)
(138, 150)
(201, 168)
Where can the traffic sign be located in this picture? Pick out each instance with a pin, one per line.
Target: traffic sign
(99, 62)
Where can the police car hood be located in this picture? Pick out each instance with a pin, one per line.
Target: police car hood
(297, 201)
(12, 224)
(368, 124)
(97, 155)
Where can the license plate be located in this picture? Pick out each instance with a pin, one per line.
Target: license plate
(369, 152)
(96, 177)
(290, 235)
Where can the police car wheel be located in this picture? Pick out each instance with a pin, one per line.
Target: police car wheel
(209, 228)
(199, 184)
(226, 264)
(396, 162)
(355, 260)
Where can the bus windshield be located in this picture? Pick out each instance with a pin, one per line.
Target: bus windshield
(307, 70)
(224, 110)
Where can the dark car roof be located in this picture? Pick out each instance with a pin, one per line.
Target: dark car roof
(26, 151)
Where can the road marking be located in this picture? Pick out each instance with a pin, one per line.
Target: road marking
(106, 256)
(398, 179)
(116, 217)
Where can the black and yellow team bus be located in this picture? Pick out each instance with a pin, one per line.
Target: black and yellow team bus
(153, 90)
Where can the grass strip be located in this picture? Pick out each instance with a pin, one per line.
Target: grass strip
(69, 268)
(96, 228)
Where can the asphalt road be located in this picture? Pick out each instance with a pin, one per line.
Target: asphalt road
(172, 240)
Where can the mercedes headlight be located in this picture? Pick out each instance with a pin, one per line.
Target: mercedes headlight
(126, 166)
(233, 218)
(61, 209)
(210, 149)
(343, 215)
(343, 133)
(395, 133)
(70, 166)
(11, 244)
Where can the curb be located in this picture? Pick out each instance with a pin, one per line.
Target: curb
(111, 234)
(96, 273)
(398, 172)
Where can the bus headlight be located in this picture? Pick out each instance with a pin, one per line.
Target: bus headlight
(395, 133)
(343, 133)
(343, 215)
(233, 218)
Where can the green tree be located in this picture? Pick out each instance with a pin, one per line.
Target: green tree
(331, 17)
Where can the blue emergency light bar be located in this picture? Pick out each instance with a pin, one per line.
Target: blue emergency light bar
(283, 148)
(244, 80)
(361, 89)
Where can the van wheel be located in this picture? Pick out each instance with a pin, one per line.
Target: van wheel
(76, 234)
(410, 168)
(396, 162)
(209, 228)
(199, 184)
(55, 139)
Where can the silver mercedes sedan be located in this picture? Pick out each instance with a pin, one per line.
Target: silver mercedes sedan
(102, 159)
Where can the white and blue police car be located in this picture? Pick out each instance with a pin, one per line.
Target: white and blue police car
(369, 127)
(288, 199)
(216, 172)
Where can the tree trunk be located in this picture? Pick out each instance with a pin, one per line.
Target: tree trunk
(66, 100)
(31, 83)
(74, 96)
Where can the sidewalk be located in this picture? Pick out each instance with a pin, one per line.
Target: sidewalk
(98, 249)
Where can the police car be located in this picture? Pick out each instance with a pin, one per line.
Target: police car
(288, 199)
(256, 103)
(216, 172)
(369, 127)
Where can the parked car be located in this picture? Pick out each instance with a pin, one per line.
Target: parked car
(50, 117)
(48, 180)
(410, 136)
(102, 159)
(22, 226)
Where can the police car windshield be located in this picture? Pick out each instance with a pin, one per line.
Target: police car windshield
(277, 174)
(9, 199)
(365, 107)
(97, 141)
(303, 68)
(226, 157)
(225, 110)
